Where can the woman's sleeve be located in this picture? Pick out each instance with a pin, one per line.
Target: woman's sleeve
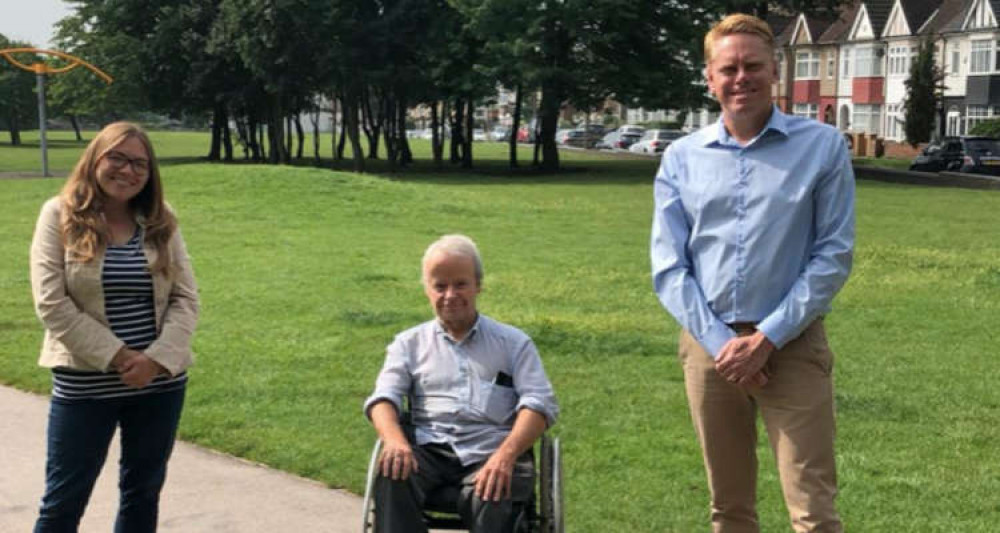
(86, 338)
(172, 349)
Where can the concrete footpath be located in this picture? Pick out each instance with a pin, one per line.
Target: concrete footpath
(205, 492)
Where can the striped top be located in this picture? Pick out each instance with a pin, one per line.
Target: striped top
(128, 304)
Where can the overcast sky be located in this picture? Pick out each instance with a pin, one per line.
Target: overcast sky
(31, 20)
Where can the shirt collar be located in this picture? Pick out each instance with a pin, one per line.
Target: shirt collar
(439, 330)
(718, 136)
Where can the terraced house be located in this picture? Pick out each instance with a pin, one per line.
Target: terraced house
(850, 70)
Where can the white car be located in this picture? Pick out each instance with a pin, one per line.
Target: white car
(655, 141)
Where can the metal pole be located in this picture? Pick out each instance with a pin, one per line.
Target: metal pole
(41, 124)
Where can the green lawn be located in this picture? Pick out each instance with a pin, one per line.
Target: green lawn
(306, 274)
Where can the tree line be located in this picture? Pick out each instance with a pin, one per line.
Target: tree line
(261, 65)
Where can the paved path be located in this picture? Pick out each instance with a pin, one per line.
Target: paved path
(205, 491)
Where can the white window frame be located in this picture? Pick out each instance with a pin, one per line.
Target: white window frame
(845, 63)
(807, 65)
(831, 65)
(867, 63)
(806, 110)
(866, 118)
(980, 56)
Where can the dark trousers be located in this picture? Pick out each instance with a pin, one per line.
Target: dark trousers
(79, 435)
(399, 504)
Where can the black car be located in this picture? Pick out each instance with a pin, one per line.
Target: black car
(975, 155)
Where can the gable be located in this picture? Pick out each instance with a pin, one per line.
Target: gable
(897, 24)
(862, 28)
(801, 33)
(980, 16)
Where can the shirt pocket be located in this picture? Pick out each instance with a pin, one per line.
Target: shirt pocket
(497, 402)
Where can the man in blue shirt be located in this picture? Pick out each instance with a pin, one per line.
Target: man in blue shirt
(478, 400)
(753, 236)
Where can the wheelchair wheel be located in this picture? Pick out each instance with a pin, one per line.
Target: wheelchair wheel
(550, 490)
(368, 507)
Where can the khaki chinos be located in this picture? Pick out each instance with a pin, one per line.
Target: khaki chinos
(798, 412)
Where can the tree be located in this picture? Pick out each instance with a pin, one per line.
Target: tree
(923, 89)
(18, 102)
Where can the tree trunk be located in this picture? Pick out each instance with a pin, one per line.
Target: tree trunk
(314, 118)
(512, 140)
(456, 127)
(550, 121)
(300, 134)
(469, 125)
(387, 109)
(216, 143)
(227, 139)
(76, 126)
(437, 143)
(351, 111)
(405, 155)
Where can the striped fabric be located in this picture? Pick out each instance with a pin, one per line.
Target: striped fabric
(128, 303)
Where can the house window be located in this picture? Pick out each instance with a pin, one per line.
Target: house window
(807, 65)
(868, 64)
(954, 122)
(974, 114)
(899, 58)
(866, 118)
(831, 64)
(806, 110)
(894, 122)
(979, 58)
(845, 63)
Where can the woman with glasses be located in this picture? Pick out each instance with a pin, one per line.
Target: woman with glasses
(113, 286)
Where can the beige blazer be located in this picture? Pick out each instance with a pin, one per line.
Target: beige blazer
(69, 300)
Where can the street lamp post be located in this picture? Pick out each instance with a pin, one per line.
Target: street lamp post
(41, 70)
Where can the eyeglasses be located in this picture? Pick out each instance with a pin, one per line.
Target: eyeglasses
(118, 160)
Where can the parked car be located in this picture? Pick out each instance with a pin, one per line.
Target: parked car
(617, 141)
(478, 134)
(629, 128)
(579, 138)
(975, 155)
(525, 134)
(655, 141)
(500, 133)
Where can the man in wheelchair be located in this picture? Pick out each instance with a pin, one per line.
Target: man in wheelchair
(478, 400)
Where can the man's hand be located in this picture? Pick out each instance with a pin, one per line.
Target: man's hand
(396, 460)
(493, 481)
(139, 370)
(741, 361)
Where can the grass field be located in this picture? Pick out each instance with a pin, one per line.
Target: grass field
(306, 274)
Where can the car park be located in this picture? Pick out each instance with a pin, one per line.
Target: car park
(974, 155)
(655, 141)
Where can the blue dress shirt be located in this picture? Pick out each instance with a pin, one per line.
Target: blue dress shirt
(465, 393)
(761, 233)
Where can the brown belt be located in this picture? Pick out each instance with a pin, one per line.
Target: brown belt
(743, 328)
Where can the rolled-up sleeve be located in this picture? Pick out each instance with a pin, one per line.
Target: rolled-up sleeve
(532, 385)
(393, 382)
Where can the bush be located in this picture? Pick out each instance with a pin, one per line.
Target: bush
(988, 128)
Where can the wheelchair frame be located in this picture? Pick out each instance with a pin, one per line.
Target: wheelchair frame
(546, 508)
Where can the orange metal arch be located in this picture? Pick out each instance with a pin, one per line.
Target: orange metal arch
(42, 68)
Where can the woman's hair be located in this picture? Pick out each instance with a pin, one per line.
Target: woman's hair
(456, 244)
(737, 23)
(85, 233)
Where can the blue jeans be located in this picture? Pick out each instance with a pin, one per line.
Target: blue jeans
(79, 435)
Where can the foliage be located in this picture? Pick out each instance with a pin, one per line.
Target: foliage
(18, 101)
(987, 128)
(923, 95)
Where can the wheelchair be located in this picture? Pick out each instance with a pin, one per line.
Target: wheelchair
(542, 513)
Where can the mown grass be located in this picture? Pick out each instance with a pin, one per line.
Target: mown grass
(306, 274)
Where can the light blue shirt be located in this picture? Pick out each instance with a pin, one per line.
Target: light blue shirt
(762, 233)
(465, 393)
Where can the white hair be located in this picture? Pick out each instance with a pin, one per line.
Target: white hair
(459, 245)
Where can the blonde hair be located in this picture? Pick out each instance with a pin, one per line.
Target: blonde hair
(85, 233)
(737, 23)
(456, 244)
